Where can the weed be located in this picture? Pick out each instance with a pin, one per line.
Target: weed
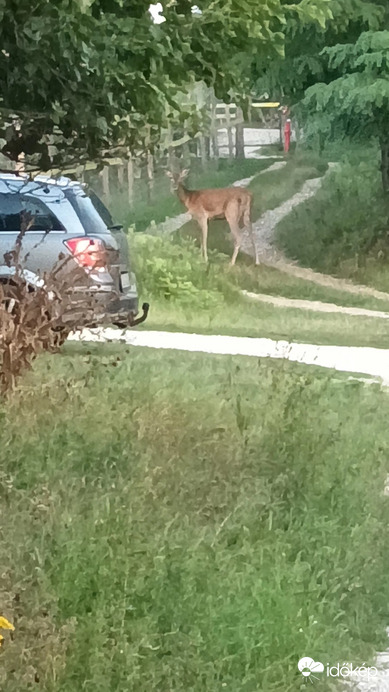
(203, 526)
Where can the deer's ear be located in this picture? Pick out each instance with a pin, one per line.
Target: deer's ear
(184, 173)
(169, 174)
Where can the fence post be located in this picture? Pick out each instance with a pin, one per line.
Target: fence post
(203, 151)
(105, 180)
(229, 131)
(250, 110)
(239, 134)
(20, 165)
(150, 171)
(186, 153)
(170, 158)
(170, 150)
(121, 175)
(214, 129)
(130, 179)
(149, 167)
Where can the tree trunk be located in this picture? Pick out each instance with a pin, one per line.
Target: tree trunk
(385, 165)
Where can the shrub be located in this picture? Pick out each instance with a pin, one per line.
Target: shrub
(37, 316)
(173, 269)
(346, 218)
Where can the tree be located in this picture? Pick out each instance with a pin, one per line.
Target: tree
(303, 63)
(356, 103)
(79, 77)
(337, 72)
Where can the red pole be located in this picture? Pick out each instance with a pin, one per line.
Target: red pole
(287, 129)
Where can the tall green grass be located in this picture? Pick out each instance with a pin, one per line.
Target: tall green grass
(187, 522)
(346, 221)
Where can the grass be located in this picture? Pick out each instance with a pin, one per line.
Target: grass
(261, 320)
(176, 521)
(164, 204)
(186, 295)
(269, 189)
(201, 525)
(274, 282)
(271, 149)
(374, 273)
(343, 228)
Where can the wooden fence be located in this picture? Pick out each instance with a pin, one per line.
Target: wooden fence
(123, 173)
(227, 118)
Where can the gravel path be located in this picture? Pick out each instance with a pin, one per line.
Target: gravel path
(272, 257)
(314, 305)
(264, 227)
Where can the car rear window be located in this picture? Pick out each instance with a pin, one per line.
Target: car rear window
(14, 205)
(92, 213)
(101, 209)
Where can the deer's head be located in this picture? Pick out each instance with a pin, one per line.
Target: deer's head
(177, 178)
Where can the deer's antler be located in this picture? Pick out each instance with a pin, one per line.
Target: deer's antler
(178, 177)
(184, 174)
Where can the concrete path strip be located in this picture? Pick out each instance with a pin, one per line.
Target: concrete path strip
(360, 360)
(315, 305)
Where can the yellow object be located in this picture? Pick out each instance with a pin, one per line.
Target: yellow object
(5, 624)
(265, 105)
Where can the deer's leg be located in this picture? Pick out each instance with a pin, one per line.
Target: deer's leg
(203, 223)
(232, 218)
(249, 226)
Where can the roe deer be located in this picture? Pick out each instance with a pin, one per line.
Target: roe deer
(230, 203)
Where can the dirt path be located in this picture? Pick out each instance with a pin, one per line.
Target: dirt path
(314, 305)
(272, 257)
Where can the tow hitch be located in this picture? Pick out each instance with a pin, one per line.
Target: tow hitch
(133, 322)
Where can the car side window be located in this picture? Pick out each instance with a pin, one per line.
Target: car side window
(101, 209)
(10, 209)
(43, 218)
(87, 213)
(14, 205)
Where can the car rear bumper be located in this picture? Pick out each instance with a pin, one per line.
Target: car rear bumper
(106, 308)
(123, 312)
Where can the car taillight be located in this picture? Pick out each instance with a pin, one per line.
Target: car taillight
(90, 253)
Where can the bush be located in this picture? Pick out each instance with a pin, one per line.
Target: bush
(346, 218)
(37, 316)
(174, 270)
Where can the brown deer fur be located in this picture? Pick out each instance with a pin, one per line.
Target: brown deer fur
(231, 203)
